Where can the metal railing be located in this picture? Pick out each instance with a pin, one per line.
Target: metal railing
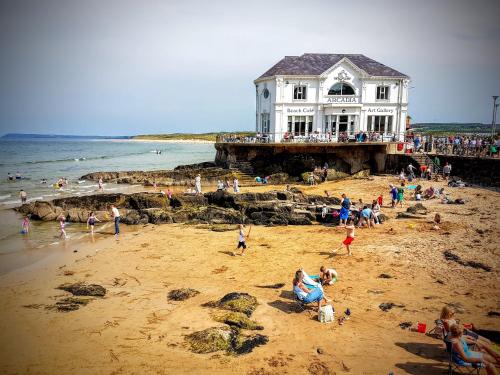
(316, 137)
(465, 147)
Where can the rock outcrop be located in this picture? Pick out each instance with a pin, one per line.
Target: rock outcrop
(269, 208)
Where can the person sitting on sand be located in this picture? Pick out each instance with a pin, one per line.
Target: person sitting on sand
(447, 318)
(305, 294)
(327, 276)
(463, 356)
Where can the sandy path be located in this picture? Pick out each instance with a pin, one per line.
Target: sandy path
(134, 329)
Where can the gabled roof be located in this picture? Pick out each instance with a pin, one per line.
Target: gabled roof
(314, 64)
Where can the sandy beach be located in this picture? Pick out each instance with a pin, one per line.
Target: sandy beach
(135, 329)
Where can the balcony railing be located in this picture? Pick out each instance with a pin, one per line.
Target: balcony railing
(342, 137)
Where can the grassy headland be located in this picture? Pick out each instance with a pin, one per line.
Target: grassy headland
(211, 137)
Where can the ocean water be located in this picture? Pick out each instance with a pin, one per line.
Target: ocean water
(37, 159)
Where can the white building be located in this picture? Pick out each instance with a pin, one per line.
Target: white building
(328, 96)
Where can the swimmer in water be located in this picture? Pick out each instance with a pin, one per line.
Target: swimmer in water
(10, 177)
(18, 176)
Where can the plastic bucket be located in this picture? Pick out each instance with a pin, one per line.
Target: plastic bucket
(421, 327)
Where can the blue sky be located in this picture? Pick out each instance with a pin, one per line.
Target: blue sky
(120, 67)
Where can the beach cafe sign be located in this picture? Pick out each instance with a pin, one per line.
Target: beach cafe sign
(300, 110)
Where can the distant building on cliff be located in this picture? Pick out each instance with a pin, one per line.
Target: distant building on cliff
(331, 95)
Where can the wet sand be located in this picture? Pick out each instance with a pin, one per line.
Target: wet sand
(135, 329)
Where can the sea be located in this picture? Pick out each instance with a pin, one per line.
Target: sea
(51, 159)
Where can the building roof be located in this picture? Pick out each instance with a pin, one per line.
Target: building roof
(314, 64)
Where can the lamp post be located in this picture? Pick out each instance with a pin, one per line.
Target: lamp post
(494, 120)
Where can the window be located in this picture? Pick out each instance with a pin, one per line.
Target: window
(382, 92)
(380, 124)
(299, 92)
(265, 121)
(341, 89)
(297, 125)
(265, 93)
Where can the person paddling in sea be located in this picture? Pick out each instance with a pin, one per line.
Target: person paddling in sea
(23, 196)
(62, 227)
(116, 218)
(25, 225)
(100, 185)
(91, 222)
(241, 239)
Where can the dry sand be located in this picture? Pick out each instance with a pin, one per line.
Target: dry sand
(136, 330)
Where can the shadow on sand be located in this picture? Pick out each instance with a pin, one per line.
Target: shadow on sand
(433, 352)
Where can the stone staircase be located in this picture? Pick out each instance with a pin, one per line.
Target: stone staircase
(424, 159)
(244, 171)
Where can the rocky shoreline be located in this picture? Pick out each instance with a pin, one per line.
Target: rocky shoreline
(269, 208)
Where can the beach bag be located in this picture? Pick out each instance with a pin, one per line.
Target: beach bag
(326, 314)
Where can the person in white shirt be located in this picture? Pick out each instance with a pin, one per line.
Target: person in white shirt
(116, 217)
(197, 184)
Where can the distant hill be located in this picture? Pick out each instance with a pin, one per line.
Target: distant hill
(452, 127)
(58, 136)
(188, 136)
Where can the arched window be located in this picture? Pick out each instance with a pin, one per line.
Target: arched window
(341, 89)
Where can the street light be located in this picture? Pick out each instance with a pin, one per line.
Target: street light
(494, 120)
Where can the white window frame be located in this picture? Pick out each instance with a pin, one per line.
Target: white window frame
(303, 92)
(382, 92)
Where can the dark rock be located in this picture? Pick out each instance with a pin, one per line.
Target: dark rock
(245, 345)
(82, 289)
(272, 286)
(404, 215)
(320, 350)
(240, 302)
(384, 276)
(405, 325)
(237, 320)
(211, 340)
(133, 217)
(493, 313)
(70, 304)
(182, 294)
(386, 306)
(470, 263)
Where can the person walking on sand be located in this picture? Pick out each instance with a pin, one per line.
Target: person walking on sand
(394, 195)
(100, 185)
(23, 196)
(446, 170)
(91, 222)
(241, 239)
(236, 185)
(116, 217)
(349, 227)
(401, 194)
(197, 184)
(62, 226)
(344, 210)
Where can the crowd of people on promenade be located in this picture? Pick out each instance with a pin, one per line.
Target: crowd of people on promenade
(458, 144)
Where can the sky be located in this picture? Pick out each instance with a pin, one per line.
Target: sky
(123, 67)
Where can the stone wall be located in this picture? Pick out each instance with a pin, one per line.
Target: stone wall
(477, 171)
(295, 159)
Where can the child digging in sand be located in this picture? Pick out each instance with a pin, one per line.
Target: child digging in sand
(349, 227)
(241, 239)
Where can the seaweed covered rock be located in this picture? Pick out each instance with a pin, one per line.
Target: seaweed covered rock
(240, 302)
(418, 208)
(70, 304)
(245, 344)
(83, 289)
(182, 294)
(211, 340)
(237, 320)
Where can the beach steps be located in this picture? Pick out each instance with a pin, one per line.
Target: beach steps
(245, 173)
(423, 159)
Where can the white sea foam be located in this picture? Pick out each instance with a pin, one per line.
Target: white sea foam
(3, 197)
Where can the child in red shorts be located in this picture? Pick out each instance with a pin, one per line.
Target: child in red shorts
(349, 236)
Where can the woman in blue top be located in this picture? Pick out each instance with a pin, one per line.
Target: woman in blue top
(344, 210)
(463, 356)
